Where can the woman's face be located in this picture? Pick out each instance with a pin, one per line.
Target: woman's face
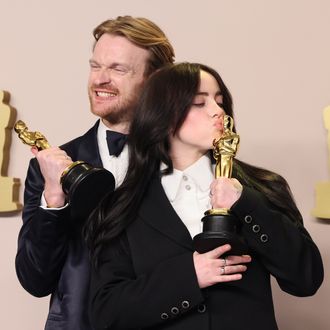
(204, 121)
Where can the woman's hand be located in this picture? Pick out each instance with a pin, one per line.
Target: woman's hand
(211, 268)
(225, 192)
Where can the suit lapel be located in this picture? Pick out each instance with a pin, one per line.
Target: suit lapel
(88, 149)
(157, 211)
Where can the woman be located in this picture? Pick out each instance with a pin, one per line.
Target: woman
(147, 274)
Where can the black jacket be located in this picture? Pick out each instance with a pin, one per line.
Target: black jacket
(51, 257)
(147, 278)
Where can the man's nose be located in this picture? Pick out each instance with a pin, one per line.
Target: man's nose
(103, 77)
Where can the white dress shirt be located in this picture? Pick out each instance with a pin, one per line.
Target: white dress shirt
(189, 192)
(116, 165)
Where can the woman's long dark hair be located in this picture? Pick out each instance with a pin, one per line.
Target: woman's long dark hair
(166, 99)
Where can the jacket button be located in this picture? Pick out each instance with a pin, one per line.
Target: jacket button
(201, 308)
(264, 238)
(256, 228)
(185, 304)
(175, 310)
(248, 219)
(164, 316)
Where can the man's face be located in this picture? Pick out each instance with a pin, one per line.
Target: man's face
(116, 78)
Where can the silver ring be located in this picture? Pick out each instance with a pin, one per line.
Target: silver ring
(223, 270)
(224, 262)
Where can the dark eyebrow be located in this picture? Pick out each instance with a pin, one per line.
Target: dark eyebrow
(206, 94)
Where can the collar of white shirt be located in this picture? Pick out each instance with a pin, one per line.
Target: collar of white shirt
(201, 172)
(102, 143)
(116, 165)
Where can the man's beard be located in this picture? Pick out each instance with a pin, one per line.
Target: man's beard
(119, 113)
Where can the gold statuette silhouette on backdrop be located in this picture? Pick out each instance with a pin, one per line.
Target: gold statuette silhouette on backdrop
(322, 207)
(9, 187)
(219, 225)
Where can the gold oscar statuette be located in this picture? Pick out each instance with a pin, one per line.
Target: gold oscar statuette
(83, 184)
(219, 225)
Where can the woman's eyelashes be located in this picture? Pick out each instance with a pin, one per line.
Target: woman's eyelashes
(202, 104)
(199, 104)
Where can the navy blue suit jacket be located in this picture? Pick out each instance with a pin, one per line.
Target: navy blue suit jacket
(51, 257)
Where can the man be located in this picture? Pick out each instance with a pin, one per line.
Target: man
(52, 257)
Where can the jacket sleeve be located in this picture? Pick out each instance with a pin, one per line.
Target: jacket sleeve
(121, 300)
(285, 248)
(42, 241)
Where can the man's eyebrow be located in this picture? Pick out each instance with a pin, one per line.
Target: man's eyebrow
(92, 61)
(113, 65)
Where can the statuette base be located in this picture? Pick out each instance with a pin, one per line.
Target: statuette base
(85, 186)
(219, 230)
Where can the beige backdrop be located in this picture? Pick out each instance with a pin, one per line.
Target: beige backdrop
(273, 55)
